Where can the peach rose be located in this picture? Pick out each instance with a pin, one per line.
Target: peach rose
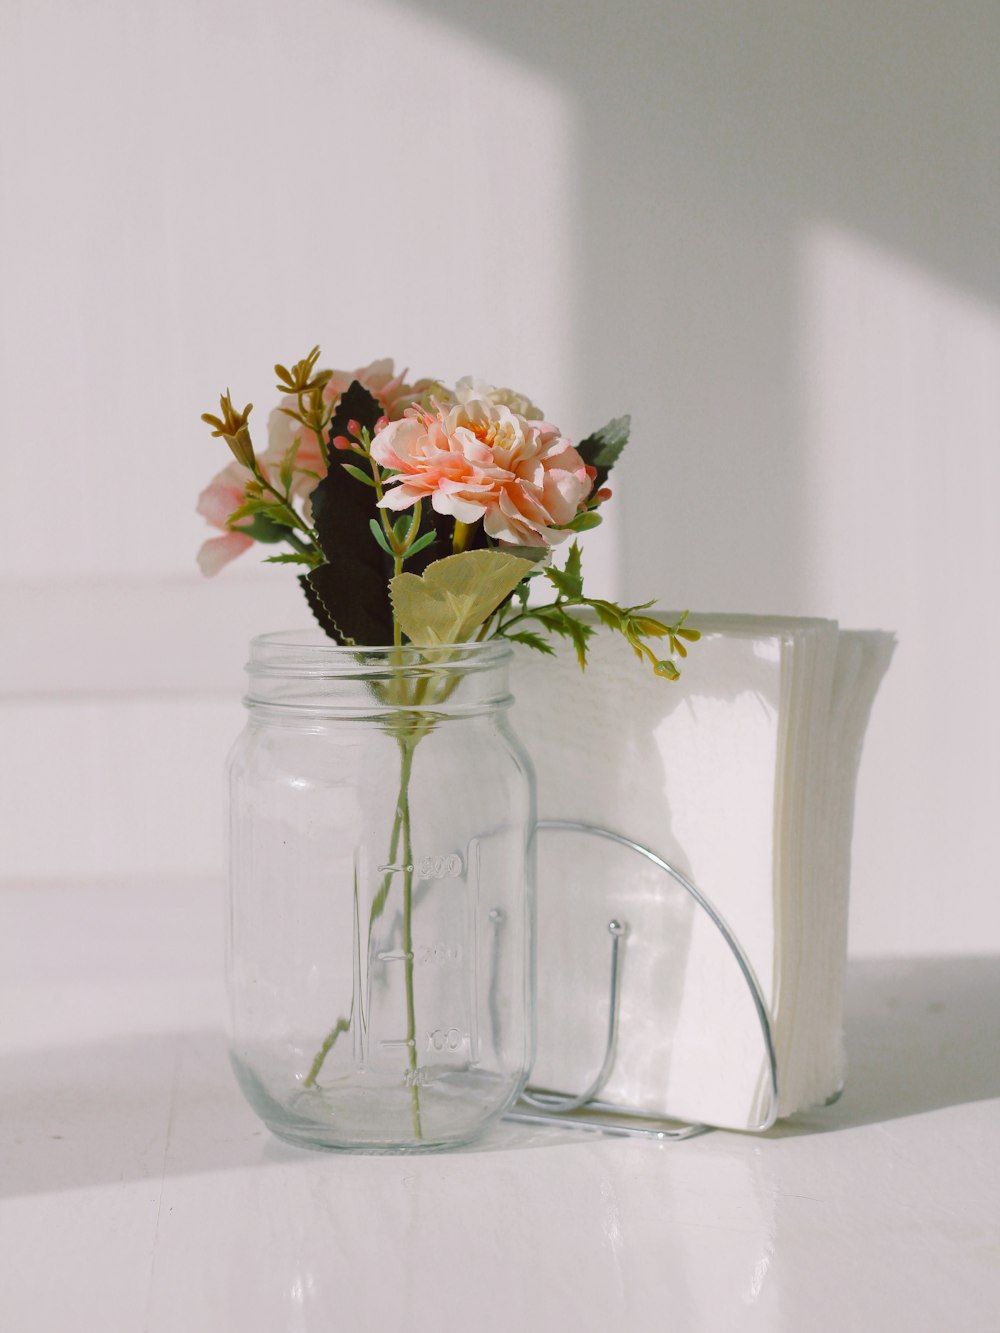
(480, 460)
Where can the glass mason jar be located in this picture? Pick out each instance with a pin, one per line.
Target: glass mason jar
(381, 918)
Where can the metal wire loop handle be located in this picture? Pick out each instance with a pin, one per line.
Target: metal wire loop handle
(554, 1101)
(547, 1107)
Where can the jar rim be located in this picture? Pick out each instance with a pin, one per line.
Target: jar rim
(311, 652)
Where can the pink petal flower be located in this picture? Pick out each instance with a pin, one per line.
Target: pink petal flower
(223, 494)
(216, 552)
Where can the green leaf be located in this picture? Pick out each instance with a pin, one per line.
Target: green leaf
(603, 449)
(378, 532)
(288, 465)
(553, 618)
(607, 613)
(263, 529)
(584, 522)
(564, 581)
(421, 544)
(401, 527)
(536, 554)
(358, 475)
(455, 595)
(351, 593)
(322, 615)
(272, 509)
(253, 505)
(558, 621)
(579, 633)
(532, 641)
(356, 404)
(573, 569)
(342, 512)
(291, 558)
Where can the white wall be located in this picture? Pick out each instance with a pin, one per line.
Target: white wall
(767, 229)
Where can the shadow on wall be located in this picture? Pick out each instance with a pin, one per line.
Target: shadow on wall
(711, 138)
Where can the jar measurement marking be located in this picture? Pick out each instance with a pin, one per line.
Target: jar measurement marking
(396, 1043)
(421, 1077)
(442, 953)
(394, 869)
(450, 1039)
(394, 956)
(440, 867)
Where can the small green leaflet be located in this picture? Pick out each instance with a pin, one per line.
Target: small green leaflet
(379, 534)
(358, 475)
(532, 641)
(288, 465)
(579, 633)
(294, 558)
(568, 581)
(272, 509)
(421, 543)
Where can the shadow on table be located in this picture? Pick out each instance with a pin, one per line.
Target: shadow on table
(147, 1107)
(922, 1034)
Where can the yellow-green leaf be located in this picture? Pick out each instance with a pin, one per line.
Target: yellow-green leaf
(454, 596)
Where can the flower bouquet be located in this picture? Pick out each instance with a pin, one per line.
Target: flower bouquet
(381, 807)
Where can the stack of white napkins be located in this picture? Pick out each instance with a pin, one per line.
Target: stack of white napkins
(742, 775)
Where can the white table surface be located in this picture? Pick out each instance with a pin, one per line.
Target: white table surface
(138, 1192)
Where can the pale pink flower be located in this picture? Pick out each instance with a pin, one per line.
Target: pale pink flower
(381, 381)
(379, 378)
(479, 460)
(223, 494)
(282, 432)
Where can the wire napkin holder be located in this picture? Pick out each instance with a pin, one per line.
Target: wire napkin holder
(586, 1110)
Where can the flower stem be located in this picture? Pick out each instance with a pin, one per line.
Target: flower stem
(462, 537)
(401, 829)
(406, 751)
(342, 1025)
(397, 629)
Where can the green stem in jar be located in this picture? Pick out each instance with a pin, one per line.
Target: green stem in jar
(343, 1025)
(400, 829)
(329, 1041)
(406, 750)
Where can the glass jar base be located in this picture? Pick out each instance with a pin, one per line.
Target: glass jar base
(370, 1117)
(319, 1144)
